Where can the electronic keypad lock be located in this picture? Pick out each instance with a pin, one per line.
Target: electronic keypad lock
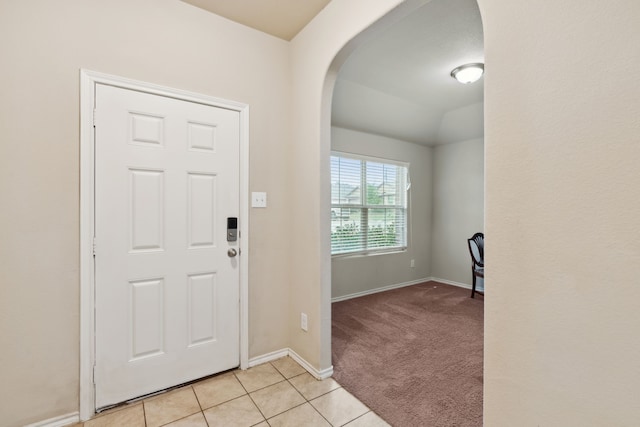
(232, 229)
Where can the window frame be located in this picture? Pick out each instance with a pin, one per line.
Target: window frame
(365, 208)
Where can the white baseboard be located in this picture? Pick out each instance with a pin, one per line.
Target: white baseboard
(400, 285)
(259, 360)
(74, 417)
(381, 289)
(63, 420)
(321, 375)
(450, 282)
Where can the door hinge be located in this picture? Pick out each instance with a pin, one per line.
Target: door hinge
(94, 117)
(94, 246)
(94, 374)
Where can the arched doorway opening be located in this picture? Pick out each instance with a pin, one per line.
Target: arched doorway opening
(364, 126)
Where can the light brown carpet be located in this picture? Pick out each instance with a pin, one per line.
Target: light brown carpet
(413, 355)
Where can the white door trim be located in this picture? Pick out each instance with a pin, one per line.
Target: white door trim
(88, 81)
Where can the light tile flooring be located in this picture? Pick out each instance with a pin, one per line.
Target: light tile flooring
(280, 393)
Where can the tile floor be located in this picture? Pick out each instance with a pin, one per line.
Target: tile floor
(280, 393)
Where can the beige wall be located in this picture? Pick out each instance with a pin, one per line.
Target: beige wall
(458, 207)
(562, 201)
(314, 65)
(562, 135)
(354, 274)
(44, 44)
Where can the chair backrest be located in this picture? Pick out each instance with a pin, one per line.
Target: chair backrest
(476, 248)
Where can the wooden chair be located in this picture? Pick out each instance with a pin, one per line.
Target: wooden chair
(476, 249)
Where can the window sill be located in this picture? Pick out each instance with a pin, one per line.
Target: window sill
(370, 253)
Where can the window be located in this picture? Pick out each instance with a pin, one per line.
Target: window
(368, 204)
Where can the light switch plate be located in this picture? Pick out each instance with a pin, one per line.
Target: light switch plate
(258, 200)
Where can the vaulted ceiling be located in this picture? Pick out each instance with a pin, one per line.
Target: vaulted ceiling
(398, 83)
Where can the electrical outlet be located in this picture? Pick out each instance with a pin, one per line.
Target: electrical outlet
(413, 263)
(303, 322)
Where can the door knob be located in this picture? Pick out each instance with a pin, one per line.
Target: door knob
(232, 252)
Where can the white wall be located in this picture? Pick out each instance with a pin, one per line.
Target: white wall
(355, 274)
(472, 116)
(359, 107)
(44, 44)
(447, 208)
(458, 207)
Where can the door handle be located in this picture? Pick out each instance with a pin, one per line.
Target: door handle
(232, 253)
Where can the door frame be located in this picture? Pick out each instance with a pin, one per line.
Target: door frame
(88, 81)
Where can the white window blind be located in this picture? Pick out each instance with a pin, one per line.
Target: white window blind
(368, 204)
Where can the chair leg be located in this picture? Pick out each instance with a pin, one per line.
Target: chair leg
(473, 287)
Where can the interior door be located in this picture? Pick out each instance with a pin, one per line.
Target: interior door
(167, 279)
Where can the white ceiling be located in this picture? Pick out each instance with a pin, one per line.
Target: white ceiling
(280, 18)
(397, 84)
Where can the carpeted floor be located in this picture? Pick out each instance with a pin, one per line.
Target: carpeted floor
(413, 355)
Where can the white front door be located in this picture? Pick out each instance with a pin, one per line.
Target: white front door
(166, 288)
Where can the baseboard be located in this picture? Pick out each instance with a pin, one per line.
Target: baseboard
(321, 375)
(63, 420)
(450, 282)
(74, 417)
(381, 289)
(259, 360)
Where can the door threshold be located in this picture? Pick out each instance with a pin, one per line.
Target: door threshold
(159, 392)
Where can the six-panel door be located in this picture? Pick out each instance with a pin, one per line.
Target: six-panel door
(167, 293)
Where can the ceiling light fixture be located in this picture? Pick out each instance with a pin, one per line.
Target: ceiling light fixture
(468, 73)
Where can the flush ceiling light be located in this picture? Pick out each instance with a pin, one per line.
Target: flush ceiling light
(468, 73)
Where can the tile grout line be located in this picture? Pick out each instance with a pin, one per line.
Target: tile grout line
(200, 405)
(317, 397)
(316, 409)
(284, 412)
(285, 380)
(247, 393)
(325, 418)
(293, 387)
(221, 402)
(360, 416)
(144, 413)
(252, 401)
(181, 418)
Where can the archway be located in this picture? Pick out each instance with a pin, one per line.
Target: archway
(357, 272)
